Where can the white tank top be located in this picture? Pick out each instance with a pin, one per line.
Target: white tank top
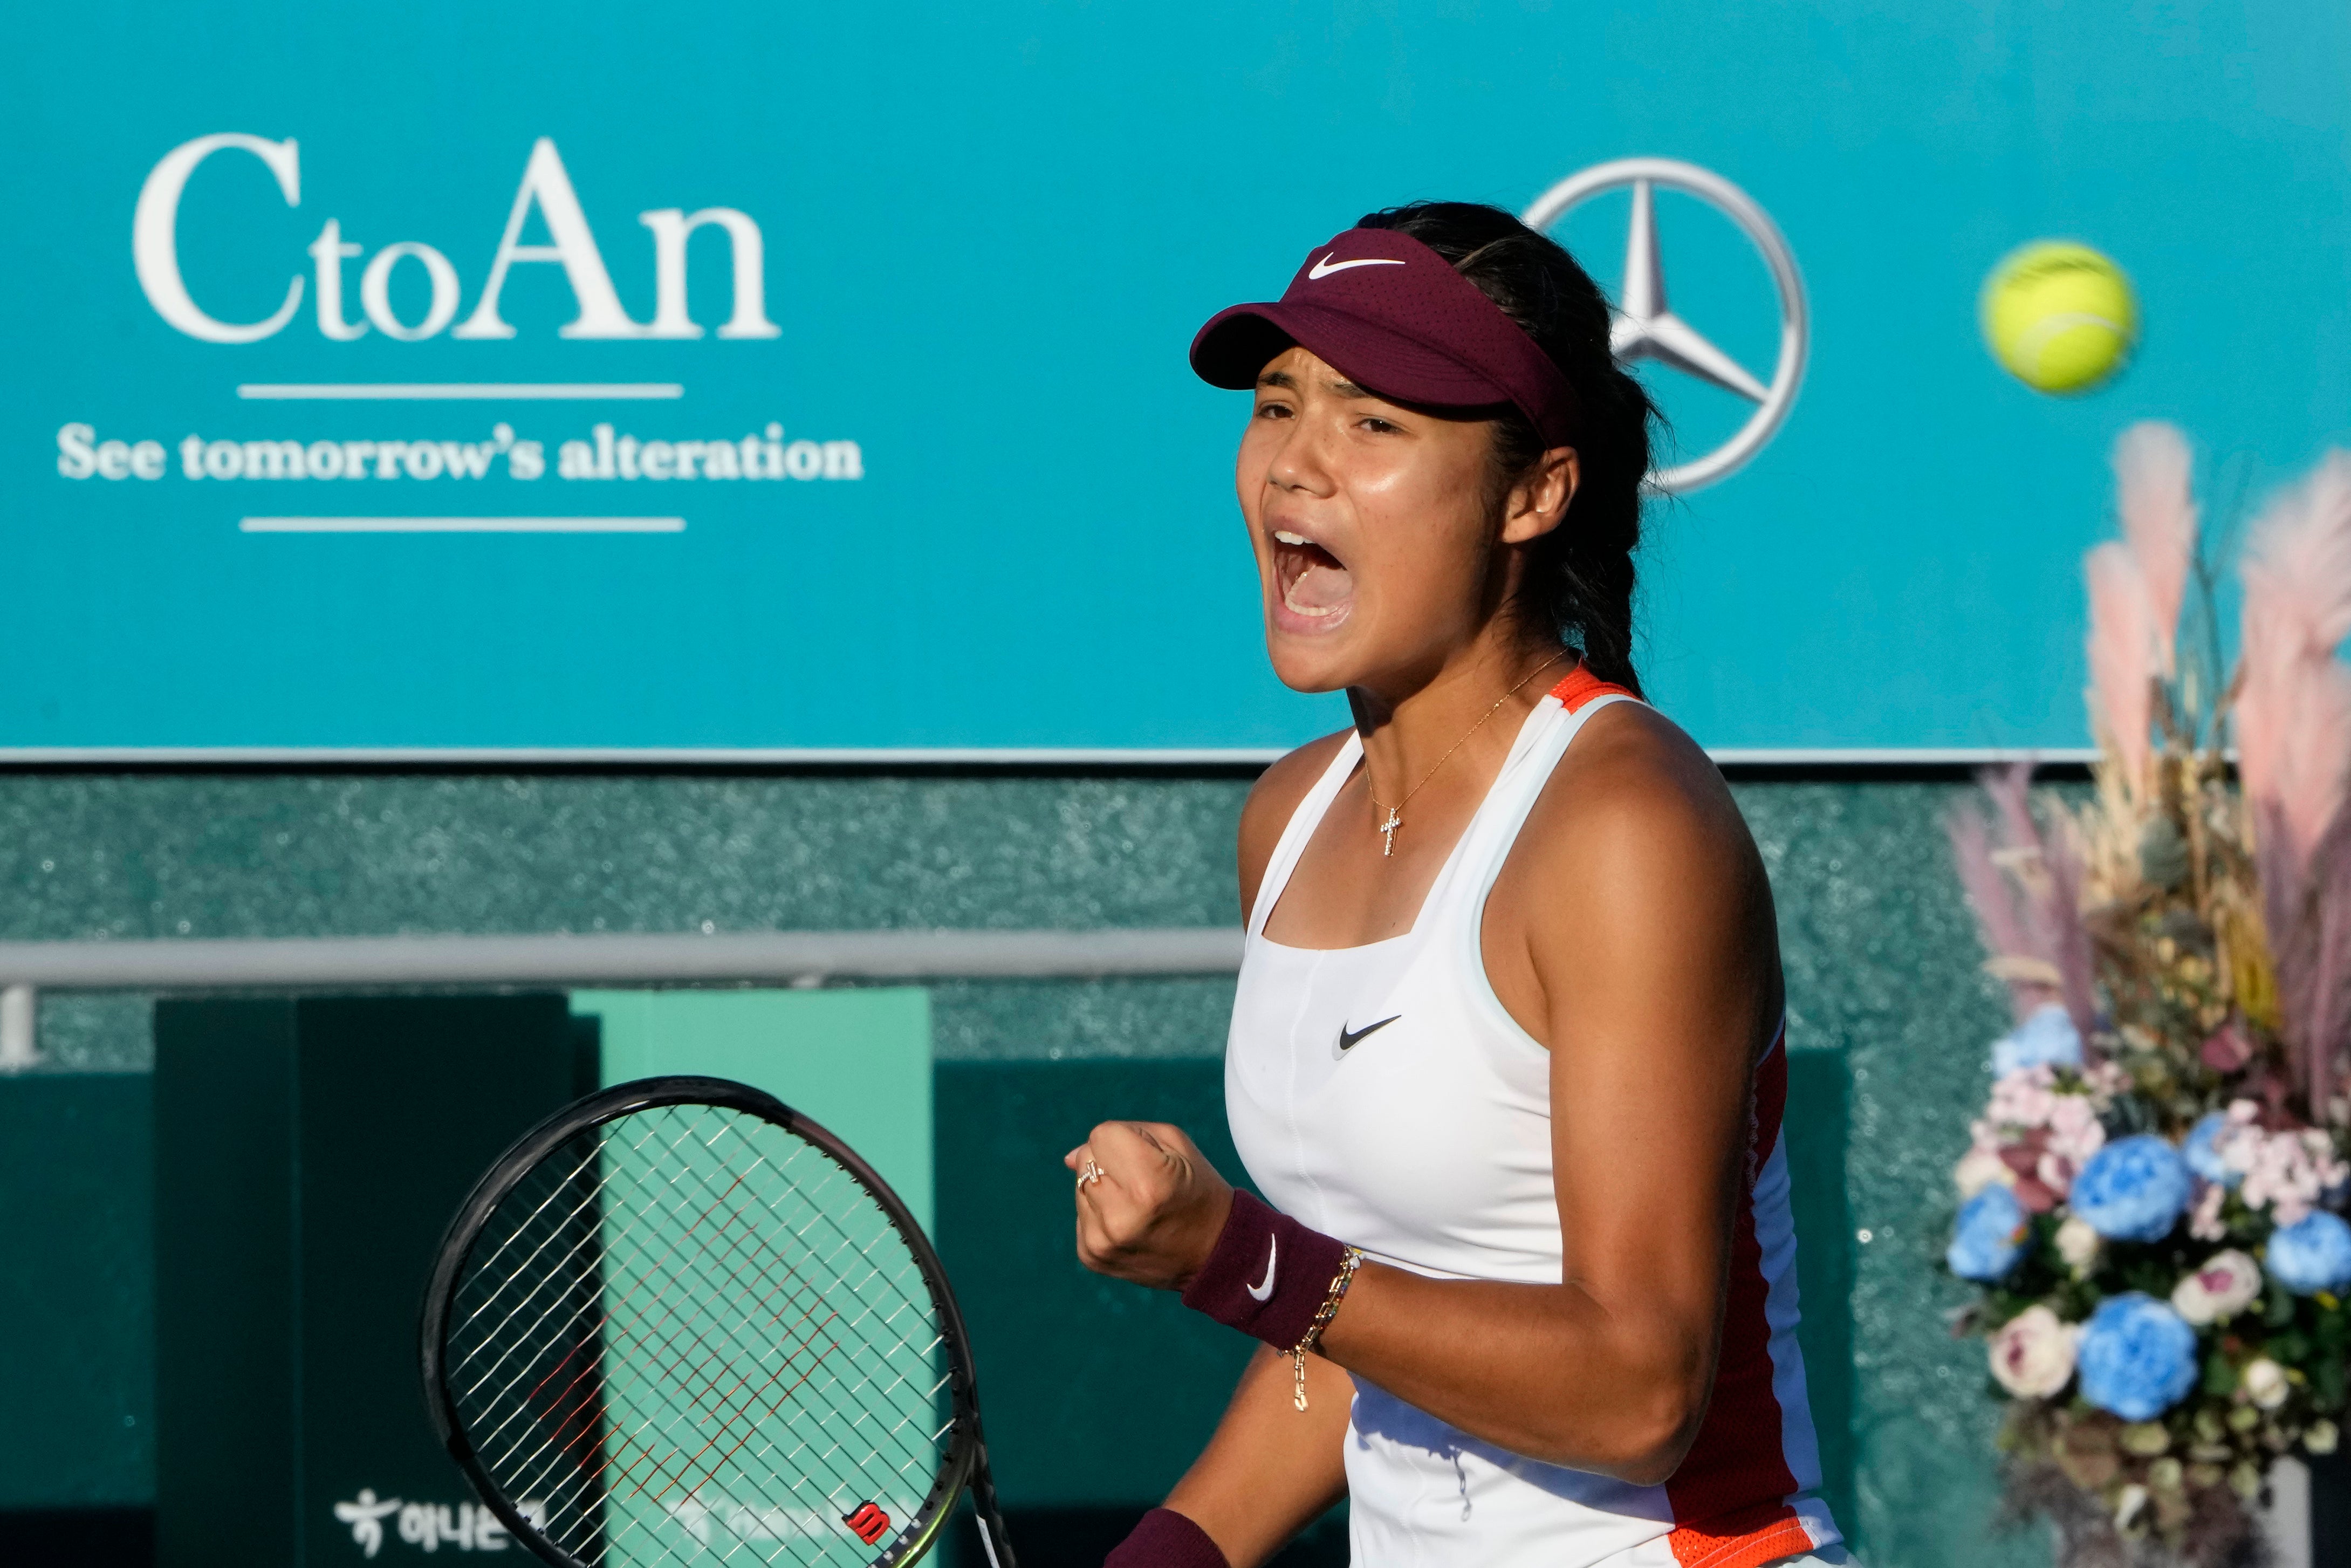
(1381, 1095)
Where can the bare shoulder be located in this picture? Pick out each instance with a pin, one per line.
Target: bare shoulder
(1272, 800)
(1636, 861)
(1634, 782)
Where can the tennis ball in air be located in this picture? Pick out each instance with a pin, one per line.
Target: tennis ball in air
(2059, 316)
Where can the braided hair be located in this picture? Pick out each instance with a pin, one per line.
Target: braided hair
(1578, 584)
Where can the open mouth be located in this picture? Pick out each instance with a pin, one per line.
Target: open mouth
(1313, 583)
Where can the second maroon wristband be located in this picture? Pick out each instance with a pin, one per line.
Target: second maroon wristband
(1166, 1539)
(1267, 1276)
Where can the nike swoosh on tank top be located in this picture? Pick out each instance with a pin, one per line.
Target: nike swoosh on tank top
(1427, 1145)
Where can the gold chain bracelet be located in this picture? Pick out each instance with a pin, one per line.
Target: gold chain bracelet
(1348, 1264)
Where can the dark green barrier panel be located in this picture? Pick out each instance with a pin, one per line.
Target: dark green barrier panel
(1095, 1392)
(227, 1354)
(308, 1154)
(77, 1383)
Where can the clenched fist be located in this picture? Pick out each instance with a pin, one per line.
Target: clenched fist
(1152, 1213)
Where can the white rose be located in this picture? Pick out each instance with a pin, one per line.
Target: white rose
(2223, 1286)
(2078, 1244)
(1977, 1170)
(2265, 1383)
(2033, 1355)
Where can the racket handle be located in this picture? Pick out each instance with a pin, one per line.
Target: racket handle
(993, 1538)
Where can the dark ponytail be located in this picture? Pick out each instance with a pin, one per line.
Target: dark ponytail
(1579, 585)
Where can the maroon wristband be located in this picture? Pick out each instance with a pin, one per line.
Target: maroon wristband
(1166, 1539)
(1268, 1275)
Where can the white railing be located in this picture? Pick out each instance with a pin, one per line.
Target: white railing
(796, 958)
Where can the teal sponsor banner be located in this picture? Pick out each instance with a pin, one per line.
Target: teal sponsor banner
(797, 376)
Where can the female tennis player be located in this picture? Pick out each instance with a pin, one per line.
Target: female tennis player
(1506, 1055)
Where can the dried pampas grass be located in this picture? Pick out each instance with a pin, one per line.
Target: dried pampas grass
(2159, 522)
(2293, 725)
(2125, 664)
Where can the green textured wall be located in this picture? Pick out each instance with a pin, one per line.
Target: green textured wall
(1880, 964)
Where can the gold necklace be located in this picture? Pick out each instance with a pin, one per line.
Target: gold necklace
(1395, 819)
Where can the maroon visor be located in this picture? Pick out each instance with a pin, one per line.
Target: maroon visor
(1393, 316)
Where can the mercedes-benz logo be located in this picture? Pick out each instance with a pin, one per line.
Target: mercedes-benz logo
(1646, 327)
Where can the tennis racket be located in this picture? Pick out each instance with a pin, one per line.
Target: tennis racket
(680, 1323)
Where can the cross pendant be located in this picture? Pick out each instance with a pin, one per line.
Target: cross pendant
(1387, 832)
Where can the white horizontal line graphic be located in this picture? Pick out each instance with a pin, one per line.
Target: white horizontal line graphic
(462, 526)
(385, 392)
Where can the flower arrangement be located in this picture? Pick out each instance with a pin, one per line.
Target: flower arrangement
(2149, 1201)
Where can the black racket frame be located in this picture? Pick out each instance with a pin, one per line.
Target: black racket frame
(966, 1463)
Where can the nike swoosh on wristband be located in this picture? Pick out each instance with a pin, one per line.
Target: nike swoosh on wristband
(1264, 1291)
(1347, 1039)
(1326, 267)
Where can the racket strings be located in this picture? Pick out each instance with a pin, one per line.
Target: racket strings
(647, 1470)
(534, 1258)
(646, 1466)
(690, 1336)
(821, 1338)
(727, 1237)
(536, 1378)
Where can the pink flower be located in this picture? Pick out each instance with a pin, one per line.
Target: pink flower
(2227, 1050)
(2224, 1285)
(2074, 1130)
(2038, 1134)
(2056, 1173)
(2033, 1355)
(2204, 1219)
(2023, 1099)
(2286, 1173)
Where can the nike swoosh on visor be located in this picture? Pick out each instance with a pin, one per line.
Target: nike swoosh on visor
(1326, 267)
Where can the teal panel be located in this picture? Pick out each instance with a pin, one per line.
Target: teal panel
(76, 1295)
(699, 1411)
(859, 1062)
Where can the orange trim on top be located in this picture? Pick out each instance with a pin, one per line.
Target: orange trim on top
(1581, 685)
(1746, 1542)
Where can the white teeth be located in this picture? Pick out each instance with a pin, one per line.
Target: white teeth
(1290, 538)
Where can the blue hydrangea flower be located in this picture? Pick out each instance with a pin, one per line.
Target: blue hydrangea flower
(2133, 1189)
(2312, 1254)
(2047, 1038)
(1990, 1236)
(2199, 1153)
(2138, 1357)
